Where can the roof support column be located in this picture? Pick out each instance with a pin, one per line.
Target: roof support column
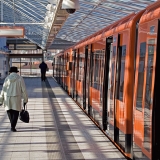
(1, 10)
(14, 12)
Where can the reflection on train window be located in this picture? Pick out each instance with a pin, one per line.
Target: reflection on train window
(112, 71)
(149, 76)
(114, 51)
(148, 101)
(121, 71)
(111, 89)
(101, 74)
(88, 66)
(76, 66)
(141, 76)
(81, 67)
(98, 69)
(72, 73)
(87, 78)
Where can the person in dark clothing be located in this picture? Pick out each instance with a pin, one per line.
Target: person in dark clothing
(43, 66)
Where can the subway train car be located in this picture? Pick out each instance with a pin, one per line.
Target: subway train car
(146, 103)
(113, 76)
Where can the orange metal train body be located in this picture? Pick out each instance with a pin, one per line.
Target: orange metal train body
(111, 75)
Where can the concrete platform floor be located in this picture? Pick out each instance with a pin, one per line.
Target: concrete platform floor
(58, 129)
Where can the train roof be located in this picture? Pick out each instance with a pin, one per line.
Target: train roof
(152, 12)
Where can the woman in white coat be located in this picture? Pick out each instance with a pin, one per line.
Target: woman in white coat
(12, 92)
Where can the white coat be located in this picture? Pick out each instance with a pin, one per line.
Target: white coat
(13, 91)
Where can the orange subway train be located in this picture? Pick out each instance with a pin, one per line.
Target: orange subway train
(113, 76)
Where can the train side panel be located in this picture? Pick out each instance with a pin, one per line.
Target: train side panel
(145, 97)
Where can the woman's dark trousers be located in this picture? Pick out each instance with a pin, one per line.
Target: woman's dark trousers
(13, 117)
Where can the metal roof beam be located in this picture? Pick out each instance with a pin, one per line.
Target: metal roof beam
(29, 10)
(9, 5)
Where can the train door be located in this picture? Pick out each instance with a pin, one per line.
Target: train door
(60, 70)
(80, 76)
(90, 71)
(76, 74)
(106, 85)
(73, 73)
(88, 75)
(119, 135)
(146, 103)
(111, 127)
(85, 87)
(118, 110)
(66, 73)
(96, 80)
(63, 70)
(53, 65)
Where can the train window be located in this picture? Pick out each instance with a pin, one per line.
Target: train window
(81, 69)
(114, 51)
(149, 76)
(76, 66)
(101, 75)
(88, 67)
(111, 89)
(121, 70)
(148, 101)
(112, 71)
(96, 72)
(141, 76)
(98, 60)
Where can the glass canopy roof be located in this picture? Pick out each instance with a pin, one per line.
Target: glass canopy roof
(28, 13)
(92, 16)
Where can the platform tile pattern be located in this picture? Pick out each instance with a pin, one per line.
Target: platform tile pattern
(58, 129)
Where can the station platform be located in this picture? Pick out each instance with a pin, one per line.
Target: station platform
(58, 129)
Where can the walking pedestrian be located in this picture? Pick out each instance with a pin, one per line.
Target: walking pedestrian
(43, 66)
(11, 95)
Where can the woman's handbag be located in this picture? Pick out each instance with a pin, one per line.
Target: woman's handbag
(24, 115)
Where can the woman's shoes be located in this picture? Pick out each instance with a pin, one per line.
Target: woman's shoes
(13, 130)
